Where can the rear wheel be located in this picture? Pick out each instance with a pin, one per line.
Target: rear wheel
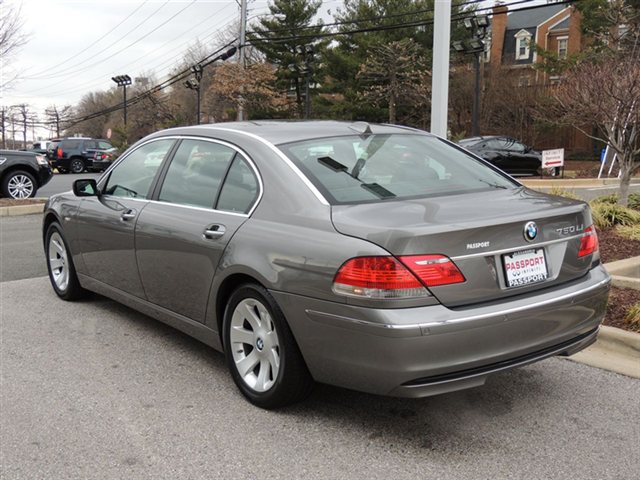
(261, 353)
(76, 165)
(19, 184)
(62, 272)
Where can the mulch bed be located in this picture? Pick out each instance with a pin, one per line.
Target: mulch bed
(12, 202)
(620, 300)
(614, 247)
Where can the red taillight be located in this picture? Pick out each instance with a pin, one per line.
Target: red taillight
(386, 277)
(588, 242)
(433, 270)
(59, 152)
(377, 277)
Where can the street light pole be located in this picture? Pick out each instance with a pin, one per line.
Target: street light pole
(195, 82)
(478, 26)
(123, 81)
(475, 121)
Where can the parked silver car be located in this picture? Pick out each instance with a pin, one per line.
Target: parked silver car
(373, 257)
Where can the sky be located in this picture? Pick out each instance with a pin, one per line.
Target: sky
(76, 46)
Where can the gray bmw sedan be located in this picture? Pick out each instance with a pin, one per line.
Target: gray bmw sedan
(372, 257)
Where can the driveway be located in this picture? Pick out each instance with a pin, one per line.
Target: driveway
(93, 389)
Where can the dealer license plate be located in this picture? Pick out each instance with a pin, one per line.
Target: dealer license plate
(525, 267)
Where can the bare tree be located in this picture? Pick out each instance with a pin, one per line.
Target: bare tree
(393, 74)
(254, 88)
(11, 39)
(57, 117)
(608, 94)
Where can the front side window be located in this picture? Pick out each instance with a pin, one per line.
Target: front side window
(353, 169)
(196, 173)
(132, 177)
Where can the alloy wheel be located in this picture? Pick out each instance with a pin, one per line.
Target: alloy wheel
(58, 261)
(255, 345)
(20, 186)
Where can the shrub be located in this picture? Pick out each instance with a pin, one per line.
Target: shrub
(606, 215)
(561, 192)
(631, 232)
(611, 198)
(633, 316)
(634, 201)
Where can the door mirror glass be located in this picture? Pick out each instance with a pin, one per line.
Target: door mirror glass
(85, 188)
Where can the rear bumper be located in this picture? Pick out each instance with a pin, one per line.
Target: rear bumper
(415, 352)
(98, 165)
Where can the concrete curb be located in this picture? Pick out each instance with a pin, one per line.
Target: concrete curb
(616, 351)
(22, 209)
(625, 273)
(569, 183)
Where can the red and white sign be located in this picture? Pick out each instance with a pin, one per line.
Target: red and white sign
(553, 158)
(523, 268)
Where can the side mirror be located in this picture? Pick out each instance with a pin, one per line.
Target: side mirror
(86, 188)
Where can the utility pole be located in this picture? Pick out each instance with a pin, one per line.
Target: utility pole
(440, 69)
(4, 140)
(24, 112)
(242, 54)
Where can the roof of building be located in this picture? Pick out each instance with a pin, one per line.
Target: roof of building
(533, 17)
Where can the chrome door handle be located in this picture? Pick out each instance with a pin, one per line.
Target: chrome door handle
(214, 231)
(128, 214)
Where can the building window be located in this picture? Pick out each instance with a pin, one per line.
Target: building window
(524, 81)
(523, 41)
(563, 44)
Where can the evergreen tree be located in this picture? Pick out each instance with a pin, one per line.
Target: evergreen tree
(283, 36)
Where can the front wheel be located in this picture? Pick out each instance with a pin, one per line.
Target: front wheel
(261, 353)
(62, 272)
(19, 184)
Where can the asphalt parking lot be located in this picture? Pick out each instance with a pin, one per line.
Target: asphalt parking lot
(95, 390)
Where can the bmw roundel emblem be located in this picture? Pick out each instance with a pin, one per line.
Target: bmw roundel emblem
(530, 231)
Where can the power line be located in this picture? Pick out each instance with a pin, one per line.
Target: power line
(100, 80)
(396, 26)
(45, 77)
(95, 42)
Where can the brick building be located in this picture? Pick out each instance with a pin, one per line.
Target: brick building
(512, 49)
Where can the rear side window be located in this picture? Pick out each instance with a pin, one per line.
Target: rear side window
(240, 188)
(353, 169)
(196, 173)
(70, 144)
(133, 176)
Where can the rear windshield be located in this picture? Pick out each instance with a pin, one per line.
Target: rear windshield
(354, 169)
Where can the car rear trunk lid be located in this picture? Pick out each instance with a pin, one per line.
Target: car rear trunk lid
(484, 234)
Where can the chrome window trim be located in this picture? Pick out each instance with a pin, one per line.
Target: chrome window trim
(237, 149)
(203, 209)
(284, 158)
(516, 249)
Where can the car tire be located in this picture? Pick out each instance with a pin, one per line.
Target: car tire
(76, 165)
(19, 184)
(262, 355)
(62, 272)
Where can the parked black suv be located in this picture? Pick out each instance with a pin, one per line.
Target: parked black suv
(75, 154)
(22, 173)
